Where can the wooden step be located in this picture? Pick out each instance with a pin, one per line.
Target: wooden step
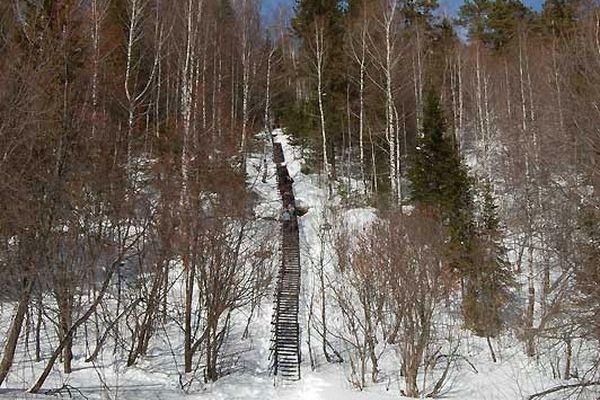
(285, 346)
(287, 351)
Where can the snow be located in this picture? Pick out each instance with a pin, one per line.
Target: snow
(158, 375)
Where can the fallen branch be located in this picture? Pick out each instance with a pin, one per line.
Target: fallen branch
(67, 388)
(563, 387)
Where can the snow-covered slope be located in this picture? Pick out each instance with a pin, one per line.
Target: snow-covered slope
(473, 376)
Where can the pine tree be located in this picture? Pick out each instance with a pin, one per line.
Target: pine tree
(559, 16)
(420, 11)
(495, 23)
(473, 15)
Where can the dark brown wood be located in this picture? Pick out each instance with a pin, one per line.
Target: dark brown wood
(286, 355)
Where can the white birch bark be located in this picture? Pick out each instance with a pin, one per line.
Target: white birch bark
(508, 94)
(215, 84)
(419, 81)
(454, 97)
(529, 87)
(157, 100)
(219, 121)
(389, 98)
(186, 94)
(134, 93)
(96, 21)
(460, 101)
(398, 159)
(530, 311)
(556, 70)
(267, 115)
(487, 138)
(361, 59)
(522, 87)
(319, 63)
(246, 50)
(479, 94)
(204, 69)
(373, 163)
(361, 122)
(134, 20)
(349, 128)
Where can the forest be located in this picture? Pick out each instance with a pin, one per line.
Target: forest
(443, 172)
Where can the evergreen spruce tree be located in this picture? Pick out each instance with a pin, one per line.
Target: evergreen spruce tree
(488, 284)
(439, 178)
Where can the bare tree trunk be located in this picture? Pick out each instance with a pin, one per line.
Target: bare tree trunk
(134, 20)
(267, 115)
(215, 88)
(508, 94)
(38, 331)
(102, 339)
(133, 94)
(144, 333)
(233, 95)
(14, 331)
(389, 102)
(479, 95)
(454, 97)
(187, 331)
(568, 356)
(522, 86)
(373, 163)
(96, 20)
(219, 104)
(419, 80)
(187, 76)
(65, 320)
(487, 139)
(246, 17)
(69, 336)
(371, 345)
(492, 353)
(530, 341)
(320, 58)
(530, 311)
(361, 120)
(309, 333)
(360, 57)
(323, 297)
(398, 159)
(204, 69)
(460, 101)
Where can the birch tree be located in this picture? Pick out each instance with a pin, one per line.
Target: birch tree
(358, 48)
(319, 60)
(135, 88)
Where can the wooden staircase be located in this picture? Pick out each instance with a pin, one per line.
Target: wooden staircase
(285, 349)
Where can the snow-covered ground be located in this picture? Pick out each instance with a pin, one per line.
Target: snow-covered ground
(473, 377)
